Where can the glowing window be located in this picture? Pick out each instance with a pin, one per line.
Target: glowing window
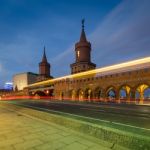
(78, 53)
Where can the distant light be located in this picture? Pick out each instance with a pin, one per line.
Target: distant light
(10, 83)
(47, 91)
(8, 86)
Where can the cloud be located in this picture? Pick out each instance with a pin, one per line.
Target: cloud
(125, 36)
(122, 35)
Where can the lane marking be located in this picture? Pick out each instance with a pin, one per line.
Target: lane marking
(98, 110)
(117, 123)
(122, 114)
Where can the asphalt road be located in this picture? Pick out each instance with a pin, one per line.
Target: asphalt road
(134, 115)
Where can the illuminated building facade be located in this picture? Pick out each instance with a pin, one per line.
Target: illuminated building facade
(22, 80)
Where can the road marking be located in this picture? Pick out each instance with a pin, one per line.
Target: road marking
(98, 110)
(117, 123)
(121, 114)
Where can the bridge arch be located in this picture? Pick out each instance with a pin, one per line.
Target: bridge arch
(80, 94)
(88, 94)
(98, 93)
(72, 94)
(39, 93)
(111, 93)
(49, 92)
(61, 95)
(142, 92)
(125, 92)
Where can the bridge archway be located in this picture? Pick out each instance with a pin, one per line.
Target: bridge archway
(147, 94)
(125, 92)
(49, 92)
(88, 94)
(142, 92)
(61, 95)
(72, 94)
(98, 93)
(111, 93)
(80, 95)
(39, 93)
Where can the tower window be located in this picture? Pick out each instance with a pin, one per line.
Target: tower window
(78, 54)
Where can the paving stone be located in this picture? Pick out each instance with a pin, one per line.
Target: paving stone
(74, 146)
(54, 137)
(27, 144)
(50, 146)
(11, 141)
(65, 133)
(86, 142)
(98, 148)
(7, 148)
(69, 139)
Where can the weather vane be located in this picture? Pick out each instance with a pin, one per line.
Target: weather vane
(83, 20)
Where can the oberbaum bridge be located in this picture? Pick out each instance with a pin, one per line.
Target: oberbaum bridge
(126, 82)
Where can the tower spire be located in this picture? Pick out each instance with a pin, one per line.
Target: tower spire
(83, 36)
(44, 67)
(83, 24)
(44, 59)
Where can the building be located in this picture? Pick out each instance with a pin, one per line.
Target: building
(22, 80)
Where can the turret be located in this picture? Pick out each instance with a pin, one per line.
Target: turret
(82, 54)
(44, 66)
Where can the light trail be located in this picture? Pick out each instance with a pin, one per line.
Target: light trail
(105, 100)
(136, 64)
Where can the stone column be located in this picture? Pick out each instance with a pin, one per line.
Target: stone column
(117, 96)
(132, 98)
(128, 97)
(141, 97)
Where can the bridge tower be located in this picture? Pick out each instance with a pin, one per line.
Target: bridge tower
(44, 67)
(82, 54)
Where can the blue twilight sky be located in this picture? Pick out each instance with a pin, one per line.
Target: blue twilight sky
(119, 30)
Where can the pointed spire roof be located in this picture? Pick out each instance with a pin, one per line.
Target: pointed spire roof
(83, 41)
(44, 59)
(83, 36)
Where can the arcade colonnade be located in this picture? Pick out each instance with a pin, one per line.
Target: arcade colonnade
(123, 93)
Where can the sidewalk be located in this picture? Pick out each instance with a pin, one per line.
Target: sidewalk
(19, 132)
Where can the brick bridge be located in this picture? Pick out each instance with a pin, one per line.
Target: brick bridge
(125, 82)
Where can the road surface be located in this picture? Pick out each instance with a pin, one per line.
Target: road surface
(132, 115)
